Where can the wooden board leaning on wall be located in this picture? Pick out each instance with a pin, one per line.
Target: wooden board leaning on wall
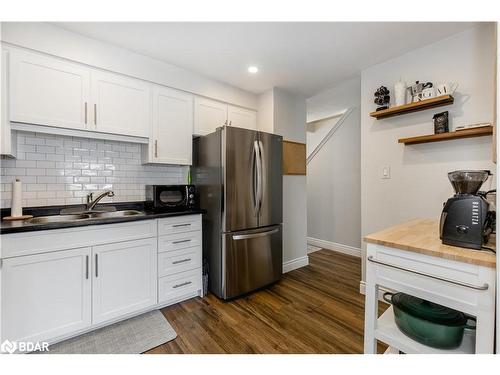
(294, 158)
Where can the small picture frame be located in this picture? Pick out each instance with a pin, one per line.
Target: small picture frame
(441, 123)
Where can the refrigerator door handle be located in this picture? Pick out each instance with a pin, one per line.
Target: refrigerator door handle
(237, 237)
(258, 163)
(262, 180)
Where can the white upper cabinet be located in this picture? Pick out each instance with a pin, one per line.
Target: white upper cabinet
(48, 91)
(7, 141)
(208, 115)
(242, 117)
(46, 295)
(172, 130)
(120, 105)
(124, 278)
(211, 114)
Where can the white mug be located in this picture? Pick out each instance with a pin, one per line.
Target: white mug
(446, 88)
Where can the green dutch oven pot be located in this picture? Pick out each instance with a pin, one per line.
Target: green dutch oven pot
(428, 323)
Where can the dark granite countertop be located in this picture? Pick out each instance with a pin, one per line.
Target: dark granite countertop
(19, 226)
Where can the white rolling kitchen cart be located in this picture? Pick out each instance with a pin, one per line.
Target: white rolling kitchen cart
(410, 258)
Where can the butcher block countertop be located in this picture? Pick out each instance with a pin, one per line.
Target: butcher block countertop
(422, 236)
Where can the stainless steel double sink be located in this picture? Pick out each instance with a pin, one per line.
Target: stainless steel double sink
(85, 215)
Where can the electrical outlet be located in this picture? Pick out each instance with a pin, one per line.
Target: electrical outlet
(386, 172)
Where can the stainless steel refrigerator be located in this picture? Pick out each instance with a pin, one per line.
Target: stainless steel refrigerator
(238, 176)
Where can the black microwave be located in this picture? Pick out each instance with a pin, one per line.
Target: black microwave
(170, 197)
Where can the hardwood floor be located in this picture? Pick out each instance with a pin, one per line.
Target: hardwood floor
(315, 309)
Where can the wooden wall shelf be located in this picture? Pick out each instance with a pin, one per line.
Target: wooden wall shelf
(438, 101)
(468, 133)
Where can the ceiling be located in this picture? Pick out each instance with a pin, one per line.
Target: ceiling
(304, 57)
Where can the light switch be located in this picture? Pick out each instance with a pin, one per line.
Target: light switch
(386, 172)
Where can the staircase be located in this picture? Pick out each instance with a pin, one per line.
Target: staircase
(330, 133)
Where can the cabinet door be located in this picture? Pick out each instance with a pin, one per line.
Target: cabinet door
(242, 117)
(120, 105)
(172, 127)
(208, 115)
(125, 278)
(5, 132)
(48, 91)
(46, 295)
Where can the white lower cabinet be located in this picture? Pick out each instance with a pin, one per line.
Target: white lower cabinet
(171, 262)
(177, 285)
(46, 295)
(124, 278)
(179, 258)
(107, 273)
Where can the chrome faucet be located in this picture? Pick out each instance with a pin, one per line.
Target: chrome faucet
(91, 203)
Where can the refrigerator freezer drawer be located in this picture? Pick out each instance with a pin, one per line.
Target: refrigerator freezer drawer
(252, 259)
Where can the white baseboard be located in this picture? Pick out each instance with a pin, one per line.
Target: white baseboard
(295, 263)
(338, 247)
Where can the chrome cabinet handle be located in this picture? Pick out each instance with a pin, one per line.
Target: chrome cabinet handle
(86, 267)
(182, 284)
(471, 286)
(181, 225)
(96, 266)
(181, 241)
(85, 113)
(156, 148)
(230, 122)
(237, 237)
(95, 114)
(225, 122)
(181, 261)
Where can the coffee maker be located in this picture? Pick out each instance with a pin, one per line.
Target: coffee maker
(467, 220)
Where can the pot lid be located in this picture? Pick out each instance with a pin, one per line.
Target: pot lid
(429, 311)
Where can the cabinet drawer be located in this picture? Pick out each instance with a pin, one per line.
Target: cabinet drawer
(180, 224)
(175, 286)
(179, 241)
(173, 262)
(26, 243)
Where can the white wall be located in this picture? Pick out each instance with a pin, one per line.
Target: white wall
(47, 38)
(284, 113)
(334, 100)
(290, 122)
(419, 185)
(334, 174)
(265, 111)
(317, 131)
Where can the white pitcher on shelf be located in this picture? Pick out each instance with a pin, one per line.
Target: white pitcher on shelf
(446, 88)
(400, 93)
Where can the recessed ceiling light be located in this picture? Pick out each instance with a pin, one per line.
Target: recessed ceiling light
(253, 69)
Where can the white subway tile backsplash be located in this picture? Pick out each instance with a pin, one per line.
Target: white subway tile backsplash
(59, 170)
(45, 149)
